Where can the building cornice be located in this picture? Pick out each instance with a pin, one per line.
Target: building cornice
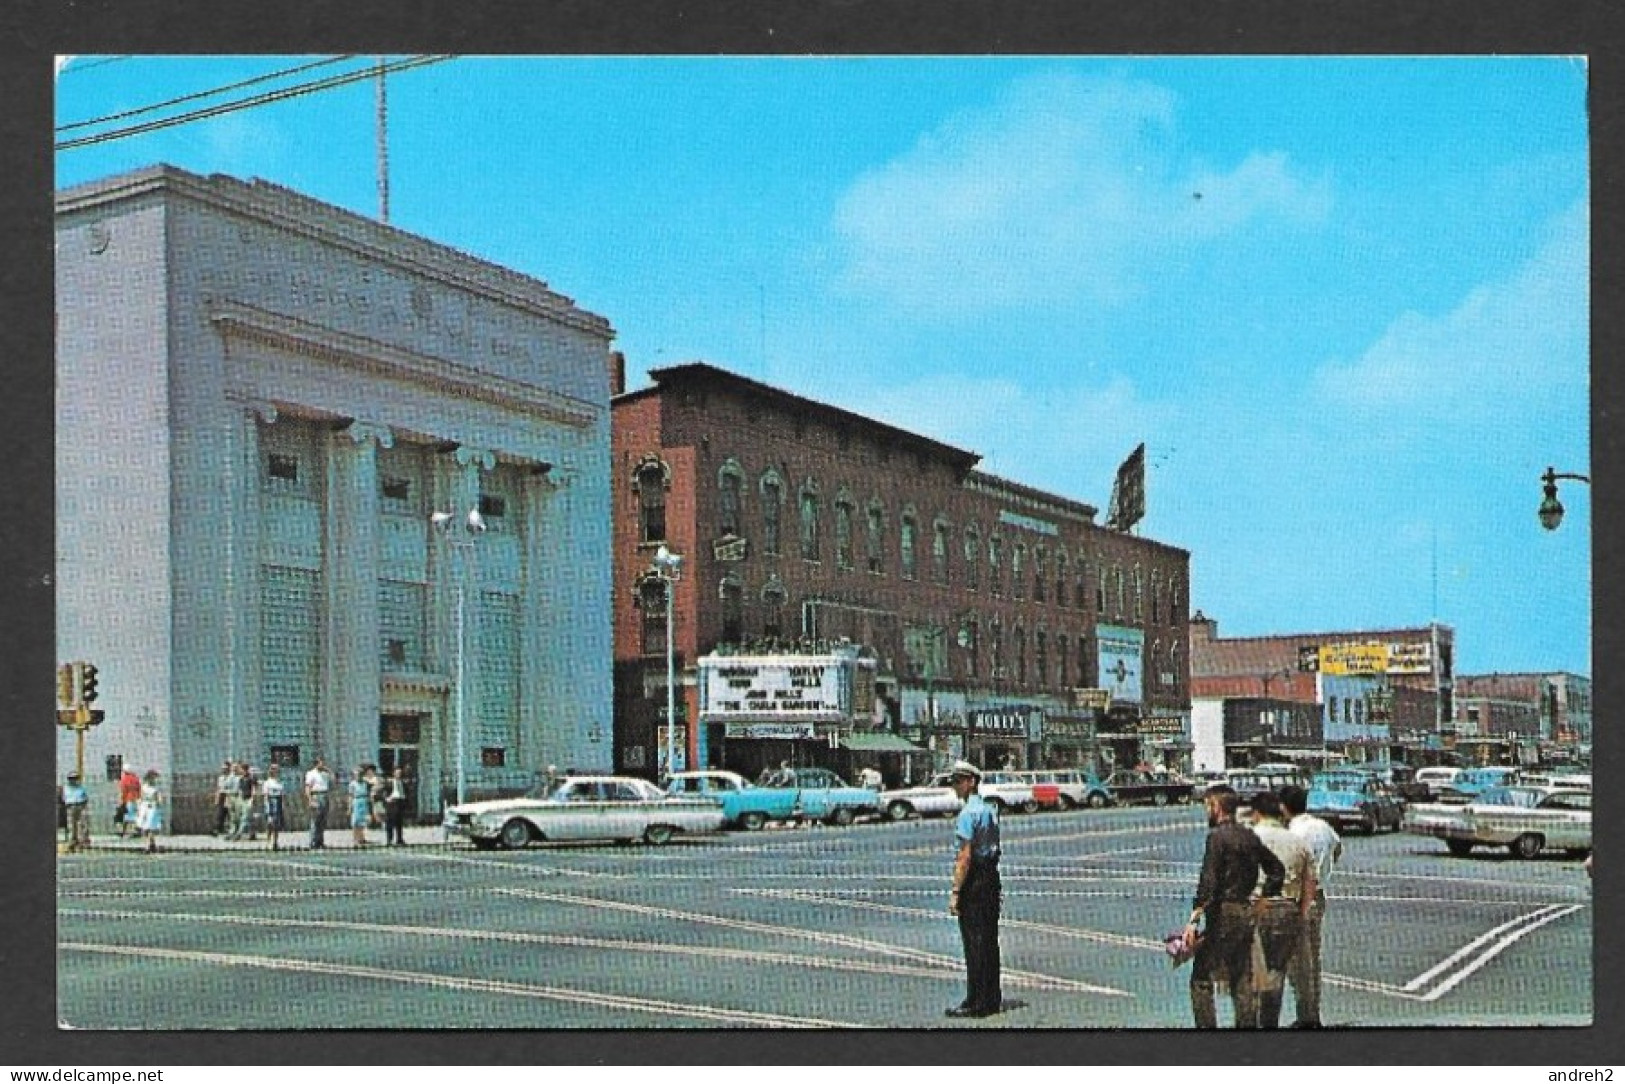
(376, 242)
(234, 318)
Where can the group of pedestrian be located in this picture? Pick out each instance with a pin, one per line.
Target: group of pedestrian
(1257, 914)
(139, 808)
(376, 800)
(1255, 923)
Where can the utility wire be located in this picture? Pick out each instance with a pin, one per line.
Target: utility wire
(257, 100)
(75, 69)
(201, 94)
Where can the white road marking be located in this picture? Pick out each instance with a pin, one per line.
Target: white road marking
(878, 948)
(395, 978)
(1503, 937)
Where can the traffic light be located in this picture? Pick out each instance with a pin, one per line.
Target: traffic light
(87, 682)
(65, 683)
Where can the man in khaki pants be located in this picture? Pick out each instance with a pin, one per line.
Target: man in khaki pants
(1327, 847)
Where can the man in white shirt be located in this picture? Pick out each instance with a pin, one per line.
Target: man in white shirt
(1327, 848)
(318, 788)
(1280, 920)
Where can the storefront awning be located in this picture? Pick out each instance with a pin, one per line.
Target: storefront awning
(879, 743)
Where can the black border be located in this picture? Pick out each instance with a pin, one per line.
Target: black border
(35, 30)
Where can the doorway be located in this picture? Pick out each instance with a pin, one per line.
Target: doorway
(399, 746)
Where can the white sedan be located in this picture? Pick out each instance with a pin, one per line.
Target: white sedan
(933, 799)
(1525, 820)
(583, 807)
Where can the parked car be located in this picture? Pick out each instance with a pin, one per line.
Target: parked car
(1129, 786)
(825, 796)
(1205, 779)
(1076, 787)
(1471, 782)
(1526, 820)
(744, 805)
(1573, 781)
(1008, 790)
(1436, 779)
(1353, 799)
(935, 798)
(585, 807)
(1251, 781)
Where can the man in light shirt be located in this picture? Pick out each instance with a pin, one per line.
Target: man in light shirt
(1327, 847)
(1281, 920)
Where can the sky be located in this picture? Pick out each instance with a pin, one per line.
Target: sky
(1343, 301)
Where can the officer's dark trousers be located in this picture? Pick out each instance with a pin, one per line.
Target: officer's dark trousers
(979, 901)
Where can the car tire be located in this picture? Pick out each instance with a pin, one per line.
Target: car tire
(1096, 800)
(754, 821)
(899, 811)
(658, 835)
(1030, 806)
(841, 816)
(1459, 847)
(1527, 845)
(1184, 798)
(1067, 804)
(1160, 798)
(515, 834)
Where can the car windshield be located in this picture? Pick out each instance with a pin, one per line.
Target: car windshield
(1519, 797)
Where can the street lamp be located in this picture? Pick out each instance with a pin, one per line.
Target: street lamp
(668, 566)
(472, 526)
(1551, 509)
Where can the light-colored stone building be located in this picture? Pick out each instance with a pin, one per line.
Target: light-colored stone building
(261, 401)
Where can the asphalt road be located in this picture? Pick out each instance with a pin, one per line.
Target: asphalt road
(797, 927)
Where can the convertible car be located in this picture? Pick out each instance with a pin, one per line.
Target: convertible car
(583, 807)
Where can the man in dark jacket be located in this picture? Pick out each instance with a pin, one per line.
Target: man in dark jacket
(1230, 868)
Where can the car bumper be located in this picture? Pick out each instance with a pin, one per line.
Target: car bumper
(468, 829)
(1345, 818)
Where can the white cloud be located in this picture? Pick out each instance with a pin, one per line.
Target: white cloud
(1521, 339)
(1066, 188)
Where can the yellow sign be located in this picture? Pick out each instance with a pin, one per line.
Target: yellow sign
(1097, 699)
(1354, 658)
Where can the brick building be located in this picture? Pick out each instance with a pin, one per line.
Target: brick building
(1552, 709)
(980, 606)
(1363, 695)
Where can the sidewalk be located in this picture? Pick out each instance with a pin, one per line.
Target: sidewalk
(337, 839)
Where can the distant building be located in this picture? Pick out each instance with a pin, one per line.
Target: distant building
(995, 621)
(1361, 696)
(261, 400)
(1553, 708)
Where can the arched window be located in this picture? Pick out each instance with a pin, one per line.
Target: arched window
(843, 530)
(1020, 646)
(1040, 570)
(973, 558)
(995, 558)
(732, 594)
(651, 480)
(1139, 597)
(1062, 660)
(730, 484)
(1156, 597)
(772, 489)
(1040, 660)
(809, 522)
(875, 552)
(910, 529)
(1060, 577)
(651, 603)
(774, 597)
(940, 530)
(1122, 592)
(1018, 571)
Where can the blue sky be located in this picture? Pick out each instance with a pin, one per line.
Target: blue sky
(1343, 301)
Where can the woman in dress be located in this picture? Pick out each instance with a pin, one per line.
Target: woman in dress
(149, 811)
(360, 805)
(273, 790)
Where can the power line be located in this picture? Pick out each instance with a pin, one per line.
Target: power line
(128, 113)
(267, 98)
(100, 62)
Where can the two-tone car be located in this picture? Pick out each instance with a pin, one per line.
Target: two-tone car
(1471, 782)
(1526, 820)
(1075, 787)
(824, 796)
(583, 807)
(744, 804)
(1355, 799)
(1009, 789)
(935, 798)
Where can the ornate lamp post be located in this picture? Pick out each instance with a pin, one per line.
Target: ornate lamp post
(668, 566)
(1551, 509)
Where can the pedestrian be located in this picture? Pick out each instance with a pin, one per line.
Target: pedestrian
(149, 812)
(1280, 919)
(977, 893)
(318, 793)
(76, 800)
(1223, 907)
(1327, 847)
(238, 801)
(395, 809)
(273, 791)
(360, 788)
(225, 785)
(129, 795)
(379, 795)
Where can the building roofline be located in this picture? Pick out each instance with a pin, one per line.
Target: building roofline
(290, 210)
(958, 458)
(1343, 633)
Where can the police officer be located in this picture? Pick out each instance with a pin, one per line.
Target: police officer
(976, 892)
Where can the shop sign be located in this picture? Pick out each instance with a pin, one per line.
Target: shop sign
(785, 685)
(1367, 658)
(999, 722)
(1415, 657)
(1092, 699)
(1162, 726)
(772, 731)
